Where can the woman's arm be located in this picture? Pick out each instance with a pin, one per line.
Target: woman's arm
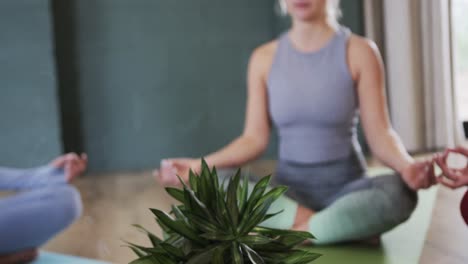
(255, 137)
(368, 72)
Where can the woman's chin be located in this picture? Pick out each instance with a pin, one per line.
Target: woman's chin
(305, 17)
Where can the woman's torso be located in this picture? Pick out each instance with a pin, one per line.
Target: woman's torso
(312, 101)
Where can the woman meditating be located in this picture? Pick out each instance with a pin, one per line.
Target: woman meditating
(310, 84)
(44, 205)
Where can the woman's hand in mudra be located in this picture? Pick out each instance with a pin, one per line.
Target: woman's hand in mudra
(171, 168)
(452, 177)
(72, 164)
(420, 175)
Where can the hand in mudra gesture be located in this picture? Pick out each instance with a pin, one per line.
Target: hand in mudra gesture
(171, 168)
(452, 177)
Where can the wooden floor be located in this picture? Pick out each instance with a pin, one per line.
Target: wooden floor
(114, 202)
(447, 238)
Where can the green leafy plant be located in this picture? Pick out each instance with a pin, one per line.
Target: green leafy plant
(220, 224)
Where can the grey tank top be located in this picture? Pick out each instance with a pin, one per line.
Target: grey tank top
(313, 102)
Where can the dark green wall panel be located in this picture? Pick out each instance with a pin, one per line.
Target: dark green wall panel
(353, 15)
(142, 80)
(139, 80)
(29, 122)
(162, 78)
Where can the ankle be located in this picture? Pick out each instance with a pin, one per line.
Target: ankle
(19, 257)
(303, 216)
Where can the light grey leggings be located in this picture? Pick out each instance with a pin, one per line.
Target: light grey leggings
(44, 205)
(350, 205)
(317, 186)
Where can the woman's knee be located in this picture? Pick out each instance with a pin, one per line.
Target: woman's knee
(407, 201)
(51, 210)
(68, 203)
(403, 199)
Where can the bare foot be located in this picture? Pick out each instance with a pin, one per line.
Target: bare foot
(374, 241)
(19, 257)
(303, 215)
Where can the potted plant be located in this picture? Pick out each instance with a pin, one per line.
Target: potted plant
(220, 224)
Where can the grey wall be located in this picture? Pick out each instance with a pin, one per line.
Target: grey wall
(142, 80)
(159, 78)
(29, 121)
(353, 15)
(139, 80)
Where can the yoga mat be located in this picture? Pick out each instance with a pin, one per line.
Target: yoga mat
(53, 258)
(402, 245)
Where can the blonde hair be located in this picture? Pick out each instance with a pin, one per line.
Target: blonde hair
(333, 10)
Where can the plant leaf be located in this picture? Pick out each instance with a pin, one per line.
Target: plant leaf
(153, 238)
(236, 252)
(203, 257)
(177, 226)
(145, 260)
(173, 251)
(140, 253)
(193, 180)
(273, 247)
(163, 259)
(281, 232)
(214, 178)
(218, 236)
(254, 240)
(217, 225)
(147, 250)
(244, 191)
(205, 184)
(186, 247)
(182, 182)
(268, 216)
(255, 217)
(201, 224)
(300, 257)
(197, 206)
(253, 256)
(176, 240)
(256, 195)
(176, 194)
(218, 255)
(222, 215)
(231, 200)
(166, 230)
(291, 240)
(178, 214)
(274, 194)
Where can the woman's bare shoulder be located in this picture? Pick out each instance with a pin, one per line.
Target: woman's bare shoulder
(361, 47)
(262, 56)
(363, 55)
(267, 50)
